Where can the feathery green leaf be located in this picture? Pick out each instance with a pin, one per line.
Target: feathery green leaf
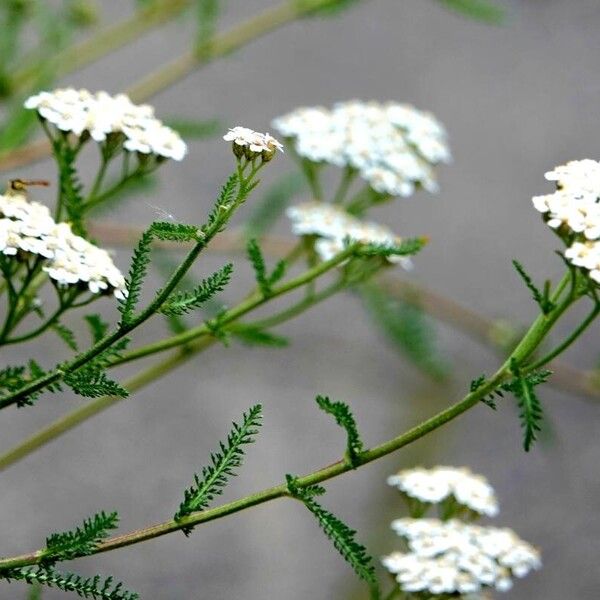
(541, 298)
(83, 540)
(174, 232)
(136, 276)
(66, 335)
(344, 418)
(406, 247)
(70, 187)
(97, 326)
(255, 256)
(183, 302)
(90, 587)
(94, 383)
(223, 465)
(253, 336)
(342, 537)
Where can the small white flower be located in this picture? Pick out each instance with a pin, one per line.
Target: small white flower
(27, 227)
(100, 114)
(391, 146)
(437, 484)
(256, 143)
(452, 557)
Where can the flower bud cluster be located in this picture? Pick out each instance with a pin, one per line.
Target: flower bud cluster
(392, 146)
(27, 229)
(333, 226)
(574, 211)
(452, 557)
(251, 144)
(437, 484)
(103, 116)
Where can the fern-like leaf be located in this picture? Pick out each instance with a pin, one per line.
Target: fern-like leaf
(94, 383)
(71, 188)
(83, 540)
(541, 298)
(344, 418)
(223, 465)
(174, 232)
(136, 276)
(256, 258)
(342, 536)
(253, 336)
(406, 247)
(91, 587)
(183, 302)
(66, 335)
(97, 326)
(224, 201)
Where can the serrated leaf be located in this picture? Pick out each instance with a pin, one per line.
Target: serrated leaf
(83, 540)
(541, 298)
(136, 276)
(342, 536)
(174, 232)
(344, 418)
(223, 465)
(407, 247)
(66, 335)
(97, 326)
(92, 383)
(182, 302)
(255, 256)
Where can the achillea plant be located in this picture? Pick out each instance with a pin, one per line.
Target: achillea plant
(378, 152)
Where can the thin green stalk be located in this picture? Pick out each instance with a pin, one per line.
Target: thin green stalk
(126, 328)
(250, 303)
(348, 176)
(531, 340)
(566, 343)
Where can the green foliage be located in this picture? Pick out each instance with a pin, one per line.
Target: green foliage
(254, 336)
(488, 400)
(97, 326)
(90, 587)
(226, 198)
(223, 465)
(183, 302)
(270, 207)
(344, 418)
(83, 540)
(478, 10)
(190, 129)
(70, 187)
(91, 381)
(66, 335)
(174, 232)
(407, 327)
(542, 298)
(12, 379)
(342, 537)
(265, 282)
(406, 247)
(94, 383)
(136, 276)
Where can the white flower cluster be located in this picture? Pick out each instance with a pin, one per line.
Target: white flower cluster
(392, 146)
(27, 227)
(457, 558)
(575, 205)
(100, 114)
(245, 139)
(437, 484)
(333, 225)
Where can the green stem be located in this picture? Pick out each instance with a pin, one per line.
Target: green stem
(143, 316)
(531, 340)
(566, 343)
(250, 303)
(348, 176)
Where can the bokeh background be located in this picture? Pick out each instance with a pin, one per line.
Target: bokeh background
(517, 100)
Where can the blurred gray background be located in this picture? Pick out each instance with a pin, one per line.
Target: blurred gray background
(517, 100)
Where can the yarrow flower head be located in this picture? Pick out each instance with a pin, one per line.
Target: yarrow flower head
(574, 208)
(451, 557)
(394, 147)
(101, 115)
(437, 484)
(251, 144)
(27, 229)
(333, 226)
